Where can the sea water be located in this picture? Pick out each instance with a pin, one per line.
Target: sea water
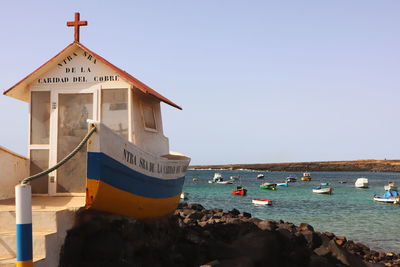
(349, 211)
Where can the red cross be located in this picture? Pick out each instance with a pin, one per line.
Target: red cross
(77, 24)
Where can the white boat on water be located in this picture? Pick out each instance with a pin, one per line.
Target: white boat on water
(261, 202)
(388, 197)
(219, 180)
(224, 182)
(291, 179)
(390, 187)
(322, 190)
(362, 183)
(217, 177)
(260, 176)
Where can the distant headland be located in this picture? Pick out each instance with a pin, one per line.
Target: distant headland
(369, 165)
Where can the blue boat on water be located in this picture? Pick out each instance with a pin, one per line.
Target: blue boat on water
(389, 197)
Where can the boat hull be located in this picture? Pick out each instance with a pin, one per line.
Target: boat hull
(268, 187)
(224, 182)
(323, 191)
(387, 200)
(123, 179)
(282, 184)
(261, 202)
(361, 183)
(241, 192)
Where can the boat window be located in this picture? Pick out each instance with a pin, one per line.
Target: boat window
(39, 161)
(114, 110)
(40, 117)
(148, 116)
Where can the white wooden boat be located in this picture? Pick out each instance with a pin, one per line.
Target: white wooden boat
(362, 183)
(260, 176)
(219, 180)
(322, 190)
(122, 178)
(224, 182)
(388, 197)
(217, 177)
(385, 200)
(261, 202)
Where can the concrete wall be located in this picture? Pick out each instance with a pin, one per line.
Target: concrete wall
(152, 141)
(13, 168)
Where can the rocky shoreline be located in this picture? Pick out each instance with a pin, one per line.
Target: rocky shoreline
(194, 236)
(355, 166)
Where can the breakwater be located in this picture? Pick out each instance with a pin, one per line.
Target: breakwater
(353, 166)
(194, 236)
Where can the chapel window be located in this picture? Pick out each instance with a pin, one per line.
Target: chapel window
(114, 110)
(148, 117)
(40, 117)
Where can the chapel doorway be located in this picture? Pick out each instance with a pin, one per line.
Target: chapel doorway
(74, 109)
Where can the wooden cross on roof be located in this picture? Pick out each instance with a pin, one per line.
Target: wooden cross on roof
(76, 24)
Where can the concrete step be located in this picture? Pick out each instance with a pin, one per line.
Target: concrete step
(41, 220)
(8, 243)
(11, 262)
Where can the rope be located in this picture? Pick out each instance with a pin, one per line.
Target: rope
(26, 180)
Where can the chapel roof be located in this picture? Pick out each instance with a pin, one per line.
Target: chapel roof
(21, 89)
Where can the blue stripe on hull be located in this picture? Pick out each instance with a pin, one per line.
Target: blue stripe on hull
(24, 242)
(104, 168)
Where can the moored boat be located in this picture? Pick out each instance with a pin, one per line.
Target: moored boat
(388, 197)
(282, 184)
(122, 178)
(269, 186)
(324, 184)
(240, 190)
(291, 179)
(224, 182)
(361, 183)
(322, 190)
(195, 179)
(306, 177)
(217, 177)
(261, 202)
(260, 176)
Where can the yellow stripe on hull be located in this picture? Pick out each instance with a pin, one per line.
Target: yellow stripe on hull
(27, 263)
(102, 196)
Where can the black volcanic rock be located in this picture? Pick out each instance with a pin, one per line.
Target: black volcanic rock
(194, 236)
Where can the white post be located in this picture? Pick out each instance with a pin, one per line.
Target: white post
(23, 205)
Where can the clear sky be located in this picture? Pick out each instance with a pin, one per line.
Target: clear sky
(259, 81)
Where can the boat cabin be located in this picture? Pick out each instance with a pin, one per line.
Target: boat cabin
(66, 91)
